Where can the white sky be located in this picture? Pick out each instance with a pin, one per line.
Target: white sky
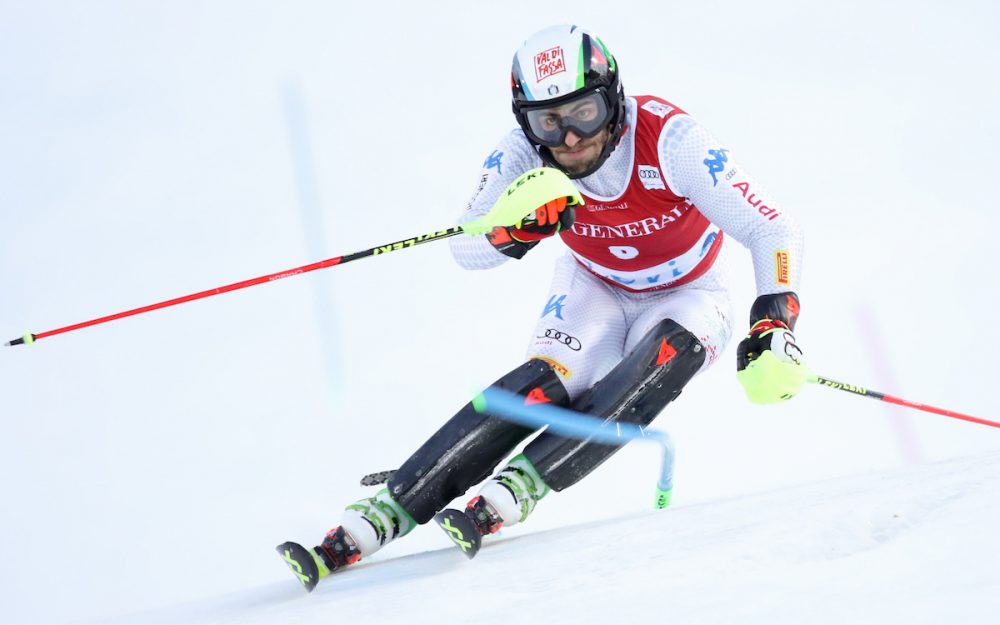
(153, 150)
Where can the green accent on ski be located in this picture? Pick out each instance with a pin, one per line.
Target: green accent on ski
(320, 564)
(479, 403)
(456, 535)
(663, 497)
(532, 189)
(295, 566)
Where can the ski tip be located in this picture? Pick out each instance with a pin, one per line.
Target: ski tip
(301, 563)
(461, 530)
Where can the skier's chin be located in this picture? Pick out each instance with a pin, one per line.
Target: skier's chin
(582, 156)
(577, 162)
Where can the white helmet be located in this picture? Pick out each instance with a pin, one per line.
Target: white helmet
(563, 64)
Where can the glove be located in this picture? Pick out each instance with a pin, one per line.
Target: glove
(769, 364)
(545, 221)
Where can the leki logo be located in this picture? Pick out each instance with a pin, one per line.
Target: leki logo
(549, 63)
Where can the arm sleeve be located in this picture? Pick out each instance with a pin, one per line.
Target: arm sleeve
(511, 157)
(700, 168)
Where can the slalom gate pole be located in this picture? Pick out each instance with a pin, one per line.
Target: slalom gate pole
(378, 250)
(863, 392)
(567, 422)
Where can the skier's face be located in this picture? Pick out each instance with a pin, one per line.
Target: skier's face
(577, 154)
(575, 131)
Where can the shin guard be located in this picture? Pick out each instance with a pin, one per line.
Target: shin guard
(635, 391)
(467, 448)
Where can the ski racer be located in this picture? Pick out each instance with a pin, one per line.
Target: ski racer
(638, 305)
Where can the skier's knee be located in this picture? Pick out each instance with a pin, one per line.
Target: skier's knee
(635, 391)
(467, 448)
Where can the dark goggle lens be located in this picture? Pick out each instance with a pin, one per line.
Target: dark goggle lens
(585, 117)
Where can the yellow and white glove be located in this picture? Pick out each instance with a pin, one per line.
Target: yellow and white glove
(769, 363)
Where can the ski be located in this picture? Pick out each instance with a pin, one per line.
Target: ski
(461, 529)
(301, 562)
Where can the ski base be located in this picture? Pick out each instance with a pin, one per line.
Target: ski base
(301, 562)
(461, 529)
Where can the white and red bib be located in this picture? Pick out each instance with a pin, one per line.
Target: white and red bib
(648, 237)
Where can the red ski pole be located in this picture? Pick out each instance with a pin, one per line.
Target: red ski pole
(857, 390)
(30, 338)
(533, 188)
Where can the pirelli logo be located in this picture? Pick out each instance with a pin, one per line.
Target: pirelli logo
(782, 272)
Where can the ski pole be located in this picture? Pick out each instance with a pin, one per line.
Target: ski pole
(533, 188)
(378, 250)
(857, 390)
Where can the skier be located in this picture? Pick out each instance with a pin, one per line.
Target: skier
(638, 306)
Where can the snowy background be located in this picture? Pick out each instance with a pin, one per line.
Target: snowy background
(150, 150)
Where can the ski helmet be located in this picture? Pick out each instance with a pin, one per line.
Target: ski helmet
(562, 65)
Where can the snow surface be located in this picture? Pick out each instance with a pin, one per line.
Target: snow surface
(916, 546)
(150, 150)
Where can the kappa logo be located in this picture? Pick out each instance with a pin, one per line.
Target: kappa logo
(657, 108)
(494, 160)
(716, 164)
(548, 63)
(650, 177)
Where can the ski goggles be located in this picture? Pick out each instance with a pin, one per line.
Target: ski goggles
(586, 116)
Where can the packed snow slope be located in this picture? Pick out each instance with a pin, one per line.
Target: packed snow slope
(915, 546)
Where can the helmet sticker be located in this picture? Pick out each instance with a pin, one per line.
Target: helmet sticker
(549, 63)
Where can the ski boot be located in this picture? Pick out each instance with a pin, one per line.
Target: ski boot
(365, 528)
(336, 551)
(507, 499)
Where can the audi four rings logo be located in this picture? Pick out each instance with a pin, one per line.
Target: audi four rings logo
(569, 341)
